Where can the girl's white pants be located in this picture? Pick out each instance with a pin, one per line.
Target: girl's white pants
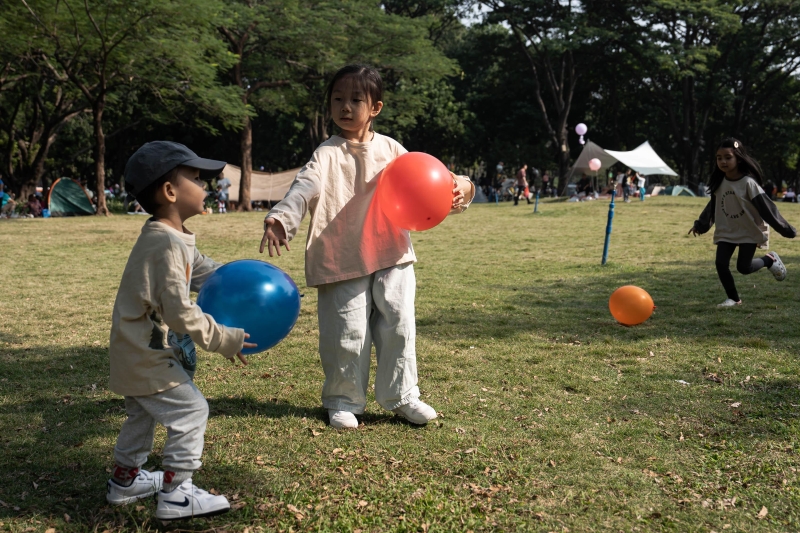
(354, 314)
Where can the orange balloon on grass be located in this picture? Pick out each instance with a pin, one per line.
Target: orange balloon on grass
(416, 191)
(631, 305)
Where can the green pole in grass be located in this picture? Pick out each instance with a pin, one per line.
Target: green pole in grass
(608, 226)
(536, 204)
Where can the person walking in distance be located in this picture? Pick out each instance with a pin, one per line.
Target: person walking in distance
(522, 185)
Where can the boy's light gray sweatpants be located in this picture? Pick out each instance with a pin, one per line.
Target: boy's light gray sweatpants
(182, 410)
(356, 313)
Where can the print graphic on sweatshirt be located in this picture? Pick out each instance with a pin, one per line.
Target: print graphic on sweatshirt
(185, 351)
(157, 335)
(730, 204)
(183, 347)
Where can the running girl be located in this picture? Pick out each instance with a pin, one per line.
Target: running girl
(741, 211)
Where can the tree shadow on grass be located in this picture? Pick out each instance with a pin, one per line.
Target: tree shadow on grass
(57, 429)
(57, 434)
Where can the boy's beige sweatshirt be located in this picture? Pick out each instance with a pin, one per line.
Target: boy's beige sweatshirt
(349, 235)
(153, 297)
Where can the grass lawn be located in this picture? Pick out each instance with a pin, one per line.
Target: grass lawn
(553, 417)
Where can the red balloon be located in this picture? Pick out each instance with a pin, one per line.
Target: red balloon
(416, 191)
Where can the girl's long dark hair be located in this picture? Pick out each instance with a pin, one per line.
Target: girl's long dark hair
(746, 164)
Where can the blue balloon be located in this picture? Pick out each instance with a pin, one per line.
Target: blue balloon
(258, 297)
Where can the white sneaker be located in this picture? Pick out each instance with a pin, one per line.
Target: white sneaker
(416, 412)
(342, 419)
(144, 484)
(729, 303)
(188, 501)
(778, 269)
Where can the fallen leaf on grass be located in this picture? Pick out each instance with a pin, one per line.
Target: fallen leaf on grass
(337, 450)
(50, 530)
(238, 505)
(762, 513)
(314, 433)
(736, 404)
(682, 382)
(471, 450)
(67, 518)
(652, 354)
(140, 507)
(362, 503)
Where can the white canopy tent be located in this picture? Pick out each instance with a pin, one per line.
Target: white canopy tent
(263, 186)
(590, 151)
(643, 160)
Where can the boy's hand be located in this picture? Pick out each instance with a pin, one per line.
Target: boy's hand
(241, 356)
(693, 231)
(274, 236)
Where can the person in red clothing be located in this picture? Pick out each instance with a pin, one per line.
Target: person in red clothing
(522, 185)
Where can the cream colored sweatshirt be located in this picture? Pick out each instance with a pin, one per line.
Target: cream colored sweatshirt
(349, 235)
(154, 319)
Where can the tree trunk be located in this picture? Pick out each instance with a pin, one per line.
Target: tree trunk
(317, 130)
(100, 156)
(563, 164)
(247, 166)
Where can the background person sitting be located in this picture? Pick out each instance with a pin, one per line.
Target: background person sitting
(33, 208)
(790, 196)
(584, 187)
(8, 204)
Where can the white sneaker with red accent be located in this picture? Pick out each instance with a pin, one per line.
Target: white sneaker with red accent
(145, 484)
(778, 269)
(188, 501)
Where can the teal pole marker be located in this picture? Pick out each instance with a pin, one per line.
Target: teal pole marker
(536, 204)
(608, 226)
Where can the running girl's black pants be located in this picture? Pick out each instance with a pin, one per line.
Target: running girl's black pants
(745, 264)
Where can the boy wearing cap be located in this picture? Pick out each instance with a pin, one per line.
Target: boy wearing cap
(154, 329)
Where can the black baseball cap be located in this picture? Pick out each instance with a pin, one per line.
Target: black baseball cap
(156, 158)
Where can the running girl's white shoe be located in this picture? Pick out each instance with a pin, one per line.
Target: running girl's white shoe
(144, 484)
(416, 412)
(188, 501)
(729, 303)
(778, 269)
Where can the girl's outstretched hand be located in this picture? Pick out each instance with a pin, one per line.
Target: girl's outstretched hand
(693, 231)
(461, 189)
(274, 236)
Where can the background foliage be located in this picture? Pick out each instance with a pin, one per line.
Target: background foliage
(472, 82)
